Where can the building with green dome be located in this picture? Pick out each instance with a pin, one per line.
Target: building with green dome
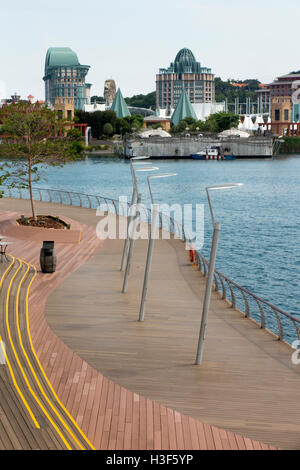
(65, 78)
(184, 73)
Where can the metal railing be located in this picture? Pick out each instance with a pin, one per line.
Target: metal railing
(282, 324)
(91, 201)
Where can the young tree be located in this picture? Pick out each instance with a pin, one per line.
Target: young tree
(108, 129)
(223, 121)
(122, 126)
(33, 137)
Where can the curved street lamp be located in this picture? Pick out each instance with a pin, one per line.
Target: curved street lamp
(211, 269)
(137, 161)
(217, 187)
(162, 175)
(128, 246)
(155, 214)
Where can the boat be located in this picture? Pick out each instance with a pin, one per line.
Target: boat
(212, 153)
(229, 157)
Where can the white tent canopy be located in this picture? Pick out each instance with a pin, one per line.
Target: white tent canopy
(153, 133)
(234, 132)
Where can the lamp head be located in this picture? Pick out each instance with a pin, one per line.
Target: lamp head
(224, 186)
(162, 175)
(216, 187)
(139, 158)
(148, 168)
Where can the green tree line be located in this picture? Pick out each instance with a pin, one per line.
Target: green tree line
(226, 90)
(217, 122)
(106, 123)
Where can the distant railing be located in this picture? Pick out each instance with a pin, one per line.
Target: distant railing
(282, 324)
(91, 201)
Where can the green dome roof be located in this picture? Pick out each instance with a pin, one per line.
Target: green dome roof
(60, 56)
(185, 57)
(185, 62)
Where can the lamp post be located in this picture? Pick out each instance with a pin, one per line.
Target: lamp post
(131, 243)
(155, 213)
(133, 222)
(133, 198)
(211, 269)
(218, 187)
(162, 175)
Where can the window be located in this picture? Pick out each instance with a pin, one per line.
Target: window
(286, 115)
(277, 114)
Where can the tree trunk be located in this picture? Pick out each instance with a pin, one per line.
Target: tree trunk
(31, 193)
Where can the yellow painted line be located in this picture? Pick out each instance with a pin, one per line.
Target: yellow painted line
(32, 369)
(44, 374)
(9, 365)
(17, 388)
(20, 365)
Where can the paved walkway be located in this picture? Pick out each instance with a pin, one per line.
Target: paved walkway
(246, 385)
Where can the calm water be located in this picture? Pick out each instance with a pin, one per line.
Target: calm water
(260, 234)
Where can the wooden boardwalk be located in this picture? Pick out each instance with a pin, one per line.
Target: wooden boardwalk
(150, 394)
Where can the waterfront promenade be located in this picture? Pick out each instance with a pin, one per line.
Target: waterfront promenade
(122, 380)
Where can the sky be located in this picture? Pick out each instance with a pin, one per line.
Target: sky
(130, 40)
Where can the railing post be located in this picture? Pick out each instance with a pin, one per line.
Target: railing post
(98, 201)
(223, 288)
(232, 294)
(115, 207)
(262, 314)
(280, 329)
(247, 309)
(216, 283)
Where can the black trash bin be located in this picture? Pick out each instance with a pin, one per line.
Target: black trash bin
(48, 257)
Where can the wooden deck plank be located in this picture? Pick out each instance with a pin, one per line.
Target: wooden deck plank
(201, 436)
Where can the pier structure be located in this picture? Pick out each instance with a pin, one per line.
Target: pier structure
(184, 147)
